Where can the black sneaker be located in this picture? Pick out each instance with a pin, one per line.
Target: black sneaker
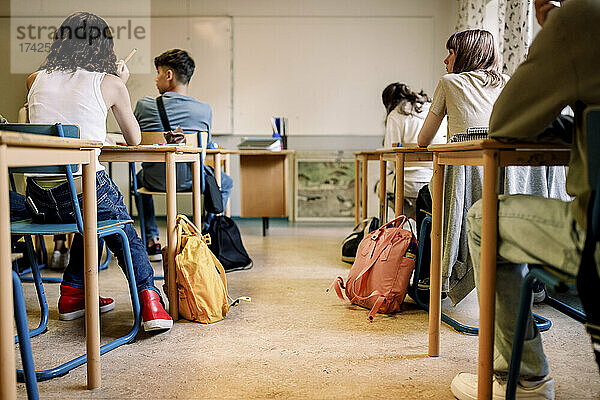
(154, 252)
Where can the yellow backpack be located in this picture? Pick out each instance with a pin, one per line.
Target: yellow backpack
(201, 282)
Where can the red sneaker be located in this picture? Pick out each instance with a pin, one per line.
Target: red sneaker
(71, 304)
(153, 313)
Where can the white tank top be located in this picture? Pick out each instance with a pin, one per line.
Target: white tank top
(71, 98)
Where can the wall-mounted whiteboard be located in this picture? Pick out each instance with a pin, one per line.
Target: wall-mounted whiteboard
(209, 40)
(326, 74)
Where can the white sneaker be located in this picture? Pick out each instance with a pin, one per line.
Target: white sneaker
(59, 260)
(540, 296)
(464, 387)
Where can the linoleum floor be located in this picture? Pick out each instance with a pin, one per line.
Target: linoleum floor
(293, 341)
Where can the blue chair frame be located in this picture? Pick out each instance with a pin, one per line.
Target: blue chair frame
(559, 280)
(542, 323)
(25, 343)
(105, 228)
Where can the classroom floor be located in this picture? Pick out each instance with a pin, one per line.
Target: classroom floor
(292, 341)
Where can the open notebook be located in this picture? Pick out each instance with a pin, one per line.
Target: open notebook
(474, 133)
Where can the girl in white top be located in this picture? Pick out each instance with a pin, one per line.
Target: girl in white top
(77, 84)
(466, 95)
(406, 111)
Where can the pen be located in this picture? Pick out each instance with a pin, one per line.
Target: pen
(130, 55)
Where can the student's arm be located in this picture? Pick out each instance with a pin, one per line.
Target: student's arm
(542, 85)
(429, 129)
(435, 115)
(116, 96)
(31, 79)
(392, 129)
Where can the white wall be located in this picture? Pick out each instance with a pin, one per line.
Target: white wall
(438, 19)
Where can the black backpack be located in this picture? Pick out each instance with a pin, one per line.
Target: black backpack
(226, 244)
(423, 209)
(350, 244)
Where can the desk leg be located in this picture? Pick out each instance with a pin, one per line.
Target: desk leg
(356, 190)
(364, 183)
(227, 169)
(172, 234)
(399, 184)
(435, 275)
(218, 168)
(487, 286)
(90, 241)
(8, 381)
(197, 192)
(382, 191)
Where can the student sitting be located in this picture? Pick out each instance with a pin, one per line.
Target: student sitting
(174, 69)
(466, 95)
(544, 231)
(406, 112)
(77, 84)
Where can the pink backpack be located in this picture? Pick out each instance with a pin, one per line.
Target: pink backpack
(380, 275)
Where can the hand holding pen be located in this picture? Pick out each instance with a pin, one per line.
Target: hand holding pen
(122, 70)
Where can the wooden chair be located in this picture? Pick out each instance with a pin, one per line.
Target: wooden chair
(149, 138)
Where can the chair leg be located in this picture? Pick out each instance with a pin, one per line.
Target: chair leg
(138, 201)
(565, 309)
(141, 216)
(519, 339)
(104, 265)
(63, 369)
(23, 334)
(47, 279)
(543, 324)
(39, 288)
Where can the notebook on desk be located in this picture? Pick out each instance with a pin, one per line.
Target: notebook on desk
(260, 144)
(475, 133)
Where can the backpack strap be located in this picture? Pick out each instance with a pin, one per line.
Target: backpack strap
(376, 308)
(338, 285)
(160, 104)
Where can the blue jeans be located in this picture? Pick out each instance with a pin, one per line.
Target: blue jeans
(56, 204)
(151, 230)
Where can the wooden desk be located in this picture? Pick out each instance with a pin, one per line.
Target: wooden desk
(264, 183)
(490, 154)
(168, 155)
(221, 161)
(24, 150)
(360, 196)
(400, 155)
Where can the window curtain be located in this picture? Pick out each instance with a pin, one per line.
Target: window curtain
(515, 18)
(470, 14)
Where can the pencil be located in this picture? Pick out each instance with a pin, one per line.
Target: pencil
(130, 55)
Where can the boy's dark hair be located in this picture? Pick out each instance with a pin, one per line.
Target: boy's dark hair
(179, 61)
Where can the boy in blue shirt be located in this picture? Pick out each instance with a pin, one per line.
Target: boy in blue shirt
(174, 69)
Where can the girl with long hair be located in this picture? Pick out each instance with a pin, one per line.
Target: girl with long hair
(466, 94)
(468, 91)
(406, 110)
(76, 85)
